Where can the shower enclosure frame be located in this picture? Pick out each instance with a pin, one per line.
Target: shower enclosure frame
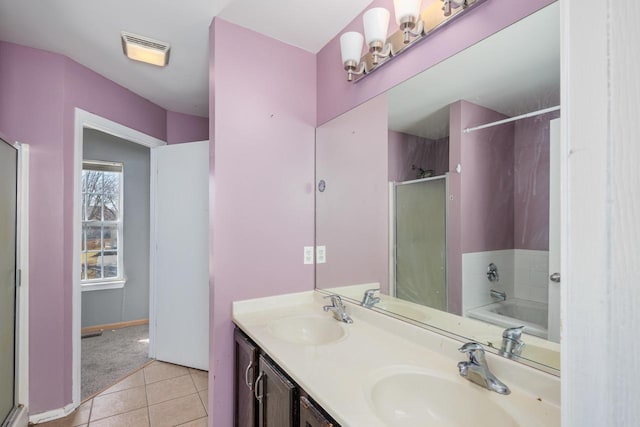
(19, 414)
(393, 225)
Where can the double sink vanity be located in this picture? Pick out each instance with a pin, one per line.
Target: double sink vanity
(299, 363)
(437, 298)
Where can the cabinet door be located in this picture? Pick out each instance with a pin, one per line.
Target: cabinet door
(245, 373)
(276, 396)
(310, 415)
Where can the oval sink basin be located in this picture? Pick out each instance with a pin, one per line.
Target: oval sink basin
(309, 330)
(402, 309)
(417, 398)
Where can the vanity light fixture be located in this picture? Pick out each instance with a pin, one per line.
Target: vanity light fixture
(351, 49)
(145, 49)
(408, 18)
(376, 26)
(414, 25)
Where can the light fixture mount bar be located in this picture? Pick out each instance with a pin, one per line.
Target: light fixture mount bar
(432, 19)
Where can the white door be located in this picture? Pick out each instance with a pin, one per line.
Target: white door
(554, 231)
(180, 261)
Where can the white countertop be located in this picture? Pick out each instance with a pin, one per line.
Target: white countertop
(338, 375)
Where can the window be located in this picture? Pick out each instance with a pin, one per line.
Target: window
(101, 247)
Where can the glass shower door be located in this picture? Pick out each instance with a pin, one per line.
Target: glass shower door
(8, 212)
(421, 242)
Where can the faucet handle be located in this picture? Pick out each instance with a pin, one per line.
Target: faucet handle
(370, 292)
(513, 333)
(471, 347)
(475, 351)
(336, 301)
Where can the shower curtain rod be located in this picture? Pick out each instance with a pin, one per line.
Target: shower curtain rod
(512, 119)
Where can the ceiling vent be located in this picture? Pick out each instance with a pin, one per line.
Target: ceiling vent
(144, 49)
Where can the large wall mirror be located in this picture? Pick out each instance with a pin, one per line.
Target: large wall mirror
(454, 227)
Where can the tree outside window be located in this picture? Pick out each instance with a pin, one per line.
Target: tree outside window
(101, 247)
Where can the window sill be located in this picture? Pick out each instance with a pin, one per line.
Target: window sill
(100, 286)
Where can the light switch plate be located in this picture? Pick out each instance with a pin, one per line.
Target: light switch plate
(308, 254)
(321, 254)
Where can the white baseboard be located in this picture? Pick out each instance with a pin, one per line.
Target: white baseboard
(19, 417)
(54, 414)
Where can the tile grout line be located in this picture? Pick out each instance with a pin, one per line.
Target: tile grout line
(144, 379)
(198, 393)
(90, 411)
(119, 413)
(201, 418)
(205, 404)
(130, 374)
(195, 386)
(146, 399)
(147, 405)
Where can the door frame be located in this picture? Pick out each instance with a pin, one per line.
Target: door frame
(85, 120)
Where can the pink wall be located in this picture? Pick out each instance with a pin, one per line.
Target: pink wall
(262, 213)
(31, 111)
(481, 211)
(407, 150)
(336, 95)
(487, 181)
(39, 93)
(531, 187)
(352, 214)
(186, 128)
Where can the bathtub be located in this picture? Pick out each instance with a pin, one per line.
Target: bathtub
(515, 312)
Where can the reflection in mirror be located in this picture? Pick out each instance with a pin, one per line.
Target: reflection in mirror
(456, 226)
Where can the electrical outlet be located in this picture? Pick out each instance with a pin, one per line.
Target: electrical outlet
(321, 254)
(308, 254)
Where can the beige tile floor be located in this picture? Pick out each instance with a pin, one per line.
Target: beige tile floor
(158, 395)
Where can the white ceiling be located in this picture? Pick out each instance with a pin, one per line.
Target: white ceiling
(513, 72)
(88, 31)
(307, 24)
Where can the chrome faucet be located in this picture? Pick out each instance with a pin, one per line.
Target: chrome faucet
(512, 343)
(338, 309)
(477, 371)
(502, 296)
(368, 300)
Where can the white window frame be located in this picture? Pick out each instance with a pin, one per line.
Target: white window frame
(120, 280)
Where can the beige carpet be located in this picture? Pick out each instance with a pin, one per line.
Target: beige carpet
(110, 357)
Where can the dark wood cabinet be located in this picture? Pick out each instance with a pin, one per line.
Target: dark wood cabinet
(311, 415)
(245, 374)
(276, 397)
(264, 396)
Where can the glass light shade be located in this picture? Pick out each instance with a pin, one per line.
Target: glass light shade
(150, 56)
(351, 46)
(406, 8)
(376, 25)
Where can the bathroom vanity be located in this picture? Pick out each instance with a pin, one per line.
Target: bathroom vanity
(286, 403)
(297, 365)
